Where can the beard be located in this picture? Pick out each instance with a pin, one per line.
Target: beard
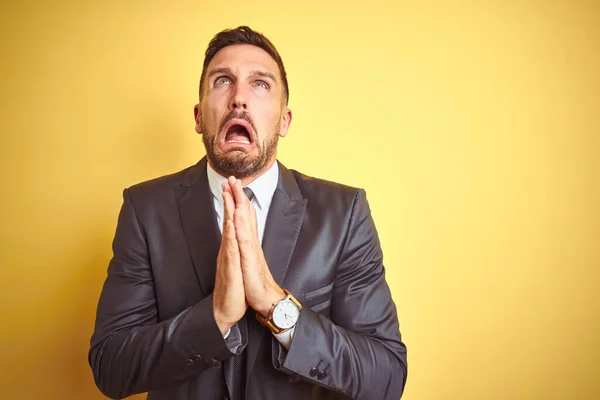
(238, 161)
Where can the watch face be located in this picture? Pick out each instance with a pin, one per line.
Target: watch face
(285, 314)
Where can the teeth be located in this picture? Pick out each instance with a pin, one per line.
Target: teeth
(238, 141)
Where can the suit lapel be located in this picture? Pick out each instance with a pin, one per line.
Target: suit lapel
(283, 224)
(199, 222)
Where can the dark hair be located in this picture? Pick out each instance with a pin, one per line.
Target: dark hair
(243, 35)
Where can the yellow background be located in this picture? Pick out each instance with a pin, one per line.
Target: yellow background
(474, 127)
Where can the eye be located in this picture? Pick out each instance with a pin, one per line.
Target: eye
(223, 80)
(262, 85)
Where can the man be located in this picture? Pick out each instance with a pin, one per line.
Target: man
(238, 278)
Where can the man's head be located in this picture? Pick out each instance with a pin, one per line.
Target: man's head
(243, 103)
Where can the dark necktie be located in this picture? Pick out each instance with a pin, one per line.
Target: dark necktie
(239, 362)
(249, 193)
(238, 387)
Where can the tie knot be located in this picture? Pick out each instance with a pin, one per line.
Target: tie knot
(249, 193)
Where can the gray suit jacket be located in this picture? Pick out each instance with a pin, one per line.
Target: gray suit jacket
(155, 330)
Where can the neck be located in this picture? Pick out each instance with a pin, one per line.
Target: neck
(249, 179)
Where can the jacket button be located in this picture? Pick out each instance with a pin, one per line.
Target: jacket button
(214, 362)
(321, 375)
(190, 362)
(197, 357)
(314, 371)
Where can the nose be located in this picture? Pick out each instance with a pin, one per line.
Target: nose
(239, 97)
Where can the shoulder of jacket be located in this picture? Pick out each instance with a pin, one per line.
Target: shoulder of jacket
(311, 186)
(159, 185)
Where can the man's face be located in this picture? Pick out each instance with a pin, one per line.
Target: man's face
(242, 111)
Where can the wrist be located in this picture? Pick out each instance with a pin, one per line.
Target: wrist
(283, 316)
(273, 296)
(222, 324)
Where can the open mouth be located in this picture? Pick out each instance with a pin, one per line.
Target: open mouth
(237, 134)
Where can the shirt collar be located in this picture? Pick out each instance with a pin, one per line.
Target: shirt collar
(263, 187)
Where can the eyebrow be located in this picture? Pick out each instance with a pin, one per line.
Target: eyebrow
(227, 71)
(216, 71)
(265, 75)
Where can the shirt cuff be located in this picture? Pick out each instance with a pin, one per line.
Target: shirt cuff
(285, 338)
(233, 339)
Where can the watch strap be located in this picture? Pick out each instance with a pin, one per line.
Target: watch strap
(268, 322)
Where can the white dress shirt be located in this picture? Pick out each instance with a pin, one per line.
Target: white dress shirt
(263, 188)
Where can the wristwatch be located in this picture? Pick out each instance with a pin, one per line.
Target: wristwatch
(283, 315)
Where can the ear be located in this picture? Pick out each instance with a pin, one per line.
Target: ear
(198, 118)
(286, 120)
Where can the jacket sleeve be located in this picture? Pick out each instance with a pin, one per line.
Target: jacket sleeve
(131, 351)
(359, 351)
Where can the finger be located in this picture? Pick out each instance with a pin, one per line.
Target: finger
(244, 238)
(230, 240)
(242, 205)
(241, 200)
(254, 221)
(228, 206)
(228, 184)
(249, 212)
(231, 182)
(226, 187)
(250, 217)
(241, 218)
